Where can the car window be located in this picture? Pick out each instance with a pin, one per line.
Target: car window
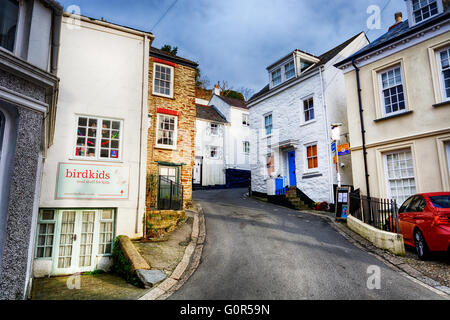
(417, 204)
(405, 205)
(441, 202)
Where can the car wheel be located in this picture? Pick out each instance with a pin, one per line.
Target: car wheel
(421, 245)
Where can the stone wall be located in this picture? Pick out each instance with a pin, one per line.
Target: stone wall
(183, 102)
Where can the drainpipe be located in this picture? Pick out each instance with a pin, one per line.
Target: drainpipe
(363, 131)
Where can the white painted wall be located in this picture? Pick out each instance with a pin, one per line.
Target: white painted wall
(286, 107)
(40, 36)
(235, 135)
(213, 172)
(103, 73)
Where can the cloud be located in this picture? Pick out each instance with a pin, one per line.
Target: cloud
(235, 40)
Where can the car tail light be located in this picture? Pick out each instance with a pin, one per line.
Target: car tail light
(442, 220)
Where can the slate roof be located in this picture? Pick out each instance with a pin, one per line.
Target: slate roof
(209, 113)
(324, 58)
(396, 33)
(234, 102)
(158, 53)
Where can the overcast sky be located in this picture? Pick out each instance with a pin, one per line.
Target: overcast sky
(235, 40)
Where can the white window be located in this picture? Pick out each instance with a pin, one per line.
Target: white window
(289, 70)
(170, 173)
(45, 234)
(392, 92)
(444, 68)
(424, 9)
(246, 147)
(268, 124)
(163, 80)
(98, 139)
(308, 109)
(400, 175)
(9, 14)
(276, 77)
(215, 152)
(106, 232)
(166, 136)
(214, 129)
(245, 120)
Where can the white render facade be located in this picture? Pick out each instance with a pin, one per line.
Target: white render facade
(93, 187)
(236, 134)
(291, 127)
(209, 168)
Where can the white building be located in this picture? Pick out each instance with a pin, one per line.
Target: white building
(237, 144)
(209, 168)
(93, 187)
(291, 122)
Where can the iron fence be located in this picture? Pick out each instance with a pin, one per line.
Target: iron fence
(170, 195)
(379, 213)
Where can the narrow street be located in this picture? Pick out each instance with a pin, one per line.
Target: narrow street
(256, 250)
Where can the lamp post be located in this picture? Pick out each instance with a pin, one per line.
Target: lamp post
(336, 136)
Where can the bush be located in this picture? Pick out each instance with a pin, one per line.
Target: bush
(323, 206)
(122, 266)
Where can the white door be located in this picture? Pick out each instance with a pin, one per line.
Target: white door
(77, 242)
(197, 177)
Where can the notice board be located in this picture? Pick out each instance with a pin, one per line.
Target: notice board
(342, 202)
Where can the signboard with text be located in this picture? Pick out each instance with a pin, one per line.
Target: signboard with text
(92, 182)
(343, 149)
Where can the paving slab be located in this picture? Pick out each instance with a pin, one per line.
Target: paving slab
(151, 277)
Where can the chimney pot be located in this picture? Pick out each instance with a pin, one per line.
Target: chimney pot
(216, 90)
(398, 17)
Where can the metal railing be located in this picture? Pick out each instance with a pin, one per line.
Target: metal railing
(379, 213)
(170, 194)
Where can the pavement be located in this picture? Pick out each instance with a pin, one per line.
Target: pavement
(259, 251)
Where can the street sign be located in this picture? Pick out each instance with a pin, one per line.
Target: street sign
(333, 147)
(343, 149)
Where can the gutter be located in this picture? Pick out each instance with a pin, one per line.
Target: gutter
(363, 131)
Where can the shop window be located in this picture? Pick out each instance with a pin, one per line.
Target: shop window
(9, 14)
(98, 139)
(106, 232)
(45, 234)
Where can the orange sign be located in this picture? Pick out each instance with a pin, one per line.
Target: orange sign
(343, 149)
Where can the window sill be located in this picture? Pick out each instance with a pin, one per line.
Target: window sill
(308, 122)
(96, 160)
(445, 103)
(394, 116)
(162, 95)
(165, 147)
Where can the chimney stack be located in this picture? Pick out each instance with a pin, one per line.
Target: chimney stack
(216, 90)
(398, 17)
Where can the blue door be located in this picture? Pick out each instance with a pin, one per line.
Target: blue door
(292, 169)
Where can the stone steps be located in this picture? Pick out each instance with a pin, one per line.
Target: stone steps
(297, 203)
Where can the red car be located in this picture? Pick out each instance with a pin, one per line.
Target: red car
(424, 221)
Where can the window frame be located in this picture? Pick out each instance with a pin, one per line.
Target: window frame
(98, 139)
(381, 90)
(40, 222)
(441, 72)
(245, 147)
(217, 126)
(18, 27)
(245, 120)
(420, 9)
(286, 78)
(218, 151)
(265, 125)
(386, 173)
(113, 232)
(172, 76)
(175, 134)
(276, 70)
(307, 99)
(307, 168)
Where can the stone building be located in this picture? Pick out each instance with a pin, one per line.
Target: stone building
(171, 136)
(29, 48)
(290, 121)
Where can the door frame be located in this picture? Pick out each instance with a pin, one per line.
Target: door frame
(74, 268)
